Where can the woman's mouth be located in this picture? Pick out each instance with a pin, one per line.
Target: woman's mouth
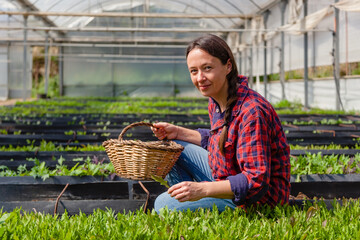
(204, 87)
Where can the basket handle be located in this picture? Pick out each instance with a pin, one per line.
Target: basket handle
(133, 125)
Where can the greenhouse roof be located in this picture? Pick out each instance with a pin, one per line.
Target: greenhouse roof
(174, 21)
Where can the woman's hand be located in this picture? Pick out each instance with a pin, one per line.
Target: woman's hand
(163, 130)
(188, 191)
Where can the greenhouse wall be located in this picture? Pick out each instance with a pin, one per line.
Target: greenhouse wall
(11, 68)
(322, 92)
(16, 73)
(320, 43)
(88, 73)
(4, 73)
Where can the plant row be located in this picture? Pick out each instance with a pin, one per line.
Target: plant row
(314, 221)
(107, 120)
(44, 145)
(300, 165)
(136, 105)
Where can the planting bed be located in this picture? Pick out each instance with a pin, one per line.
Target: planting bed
(88, 193)
(84, 194)
(43, 144)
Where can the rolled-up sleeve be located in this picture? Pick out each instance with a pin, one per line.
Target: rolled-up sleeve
(239, 186)
(205, 133)
(254, 153)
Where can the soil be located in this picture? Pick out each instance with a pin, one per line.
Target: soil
(300, 196)
(11, 102)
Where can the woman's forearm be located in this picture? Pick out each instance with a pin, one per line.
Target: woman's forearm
(193, 191)
(218, 189)
(189, 135)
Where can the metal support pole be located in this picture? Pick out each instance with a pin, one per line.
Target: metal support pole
(272, 57)
(25, 60)
(61, 74)
(237, 59)
(239, 56)
(112, 75)
(306, 73)
(251, 61)
(240, 62)
(313, 54)
(265, 69)
(337, 58)
(245, 61)
(282, 52)
(46, 83)
(251, 82)
(266, 16)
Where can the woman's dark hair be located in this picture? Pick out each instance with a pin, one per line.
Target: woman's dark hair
(218, 48)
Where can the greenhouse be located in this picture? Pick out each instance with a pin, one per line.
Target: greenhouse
(98, 109)
(302, 51)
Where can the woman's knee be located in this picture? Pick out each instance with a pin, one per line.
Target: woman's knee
(162, 201)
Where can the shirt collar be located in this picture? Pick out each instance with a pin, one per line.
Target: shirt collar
(242, 92)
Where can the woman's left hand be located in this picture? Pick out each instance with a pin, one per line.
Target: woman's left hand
(188, 191)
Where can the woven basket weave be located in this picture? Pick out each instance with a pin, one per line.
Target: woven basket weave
(139, 160)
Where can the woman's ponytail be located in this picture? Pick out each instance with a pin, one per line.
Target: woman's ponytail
(231, 101)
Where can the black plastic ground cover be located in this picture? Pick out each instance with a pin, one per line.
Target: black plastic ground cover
(320, 132)
(14, 159)
(89, 119)
(329, 203)
(300, 138)
(121, 118)
(322, 127)
(161, 108)
(99, 125)
(346, 152)
(85, 141)
(328, 186)
(317, 117)
(347, 142)
(54, 155)
(72, 119)
(74, 207)
(50, 155)
(83, 194)
(321, 135)
(88, 193)
(72, 131)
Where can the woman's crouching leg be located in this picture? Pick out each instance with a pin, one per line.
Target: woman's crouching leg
(165, 200)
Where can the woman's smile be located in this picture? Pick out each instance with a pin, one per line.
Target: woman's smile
(204, 87)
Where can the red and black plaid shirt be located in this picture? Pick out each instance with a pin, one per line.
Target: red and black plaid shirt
(256, 151)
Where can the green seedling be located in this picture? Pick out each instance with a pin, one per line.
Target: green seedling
(160, 180)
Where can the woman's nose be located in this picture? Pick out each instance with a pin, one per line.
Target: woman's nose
(200, 76)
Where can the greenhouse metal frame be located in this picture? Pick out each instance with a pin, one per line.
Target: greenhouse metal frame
(136, 48)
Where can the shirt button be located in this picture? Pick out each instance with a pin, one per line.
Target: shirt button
(217, 110)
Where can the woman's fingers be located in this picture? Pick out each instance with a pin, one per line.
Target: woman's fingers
(159, 133)
(179, 193)
(159, 130)
(185, 191)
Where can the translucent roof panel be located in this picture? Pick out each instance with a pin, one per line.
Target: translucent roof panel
(96, 24)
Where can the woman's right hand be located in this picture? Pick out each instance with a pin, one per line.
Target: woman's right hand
(164, 130)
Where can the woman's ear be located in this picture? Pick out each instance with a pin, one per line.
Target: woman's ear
(229, 66)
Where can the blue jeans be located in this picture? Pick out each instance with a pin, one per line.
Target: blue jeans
(192, 165)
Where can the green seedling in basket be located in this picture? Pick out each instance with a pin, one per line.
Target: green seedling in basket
(160, 180)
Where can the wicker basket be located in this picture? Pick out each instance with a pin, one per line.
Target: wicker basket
(139, 160)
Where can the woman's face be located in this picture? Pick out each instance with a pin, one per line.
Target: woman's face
(208, 74)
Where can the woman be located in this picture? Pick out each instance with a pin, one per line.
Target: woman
(244, 158)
